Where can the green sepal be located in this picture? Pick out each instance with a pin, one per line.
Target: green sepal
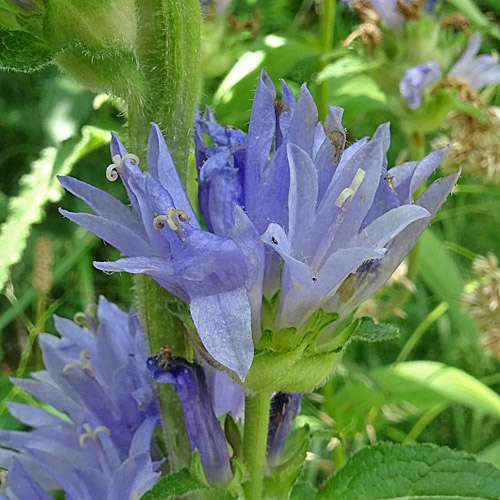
(174, 485)
(284, 475)
(269, 311)
(230, 491)
(289, 359)
(196, 469)
(369, 331)
(233, 436)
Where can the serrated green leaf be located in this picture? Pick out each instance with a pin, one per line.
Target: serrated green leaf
(20, 51)
(175, 485)
(37, 188)
(442, 383)
(369, 331)
(389, 471)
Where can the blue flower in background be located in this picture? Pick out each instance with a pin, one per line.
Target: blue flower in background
(204, 431)
(416, 79)
(336, 217)
(478, 70)
(99, 446)
(162, 238)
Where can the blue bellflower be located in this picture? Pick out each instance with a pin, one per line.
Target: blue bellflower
(204, 431)
(336, 218)
(162, 238)
(477, 70)
(416, 79)
(99, 447)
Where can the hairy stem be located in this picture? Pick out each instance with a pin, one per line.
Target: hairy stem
(167, 53)
(255, 441)
(327, 30)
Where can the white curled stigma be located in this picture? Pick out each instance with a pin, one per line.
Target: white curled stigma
(351, 190)
(173, 218)
(84, 364)
(118, 161)
(91, 433)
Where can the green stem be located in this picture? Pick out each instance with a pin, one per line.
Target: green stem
(329, 407)
(168, 51)
(161, 329)
(327, 30)
(255, 441)
(424, 421)
(415, 337)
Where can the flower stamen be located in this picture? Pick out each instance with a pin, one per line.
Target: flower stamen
(351, 190)
(91, 433)
(84, 364)
(118, 161)
(173, 218)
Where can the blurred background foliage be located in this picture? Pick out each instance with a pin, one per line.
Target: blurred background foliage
(446, 385)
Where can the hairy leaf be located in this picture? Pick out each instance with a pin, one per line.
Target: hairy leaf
(419, 472)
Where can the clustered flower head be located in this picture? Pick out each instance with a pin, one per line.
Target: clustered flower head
(289, 209)
(334, 221)
(98, 446)
(482, 301)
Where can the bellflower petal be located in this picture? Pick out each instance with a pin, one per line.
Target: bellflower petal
(218, 319)
(22, 486)
(284, 408)
(479, 70)
(416, 80)
(204, 431)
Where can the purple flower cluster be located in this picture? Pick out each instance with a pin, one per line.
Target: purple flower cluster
(334, 221)
(96, 441)
(288, 208)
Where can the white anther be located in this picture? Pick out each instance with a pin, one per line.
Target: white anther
(91, 433)
(84, 364)
(351, 190)
(118, 161)
(343, 196)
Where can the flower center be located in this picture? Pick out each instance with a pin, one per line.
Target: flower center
(173, 218)
(91, 433)
(118, 162)
(84, 364)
